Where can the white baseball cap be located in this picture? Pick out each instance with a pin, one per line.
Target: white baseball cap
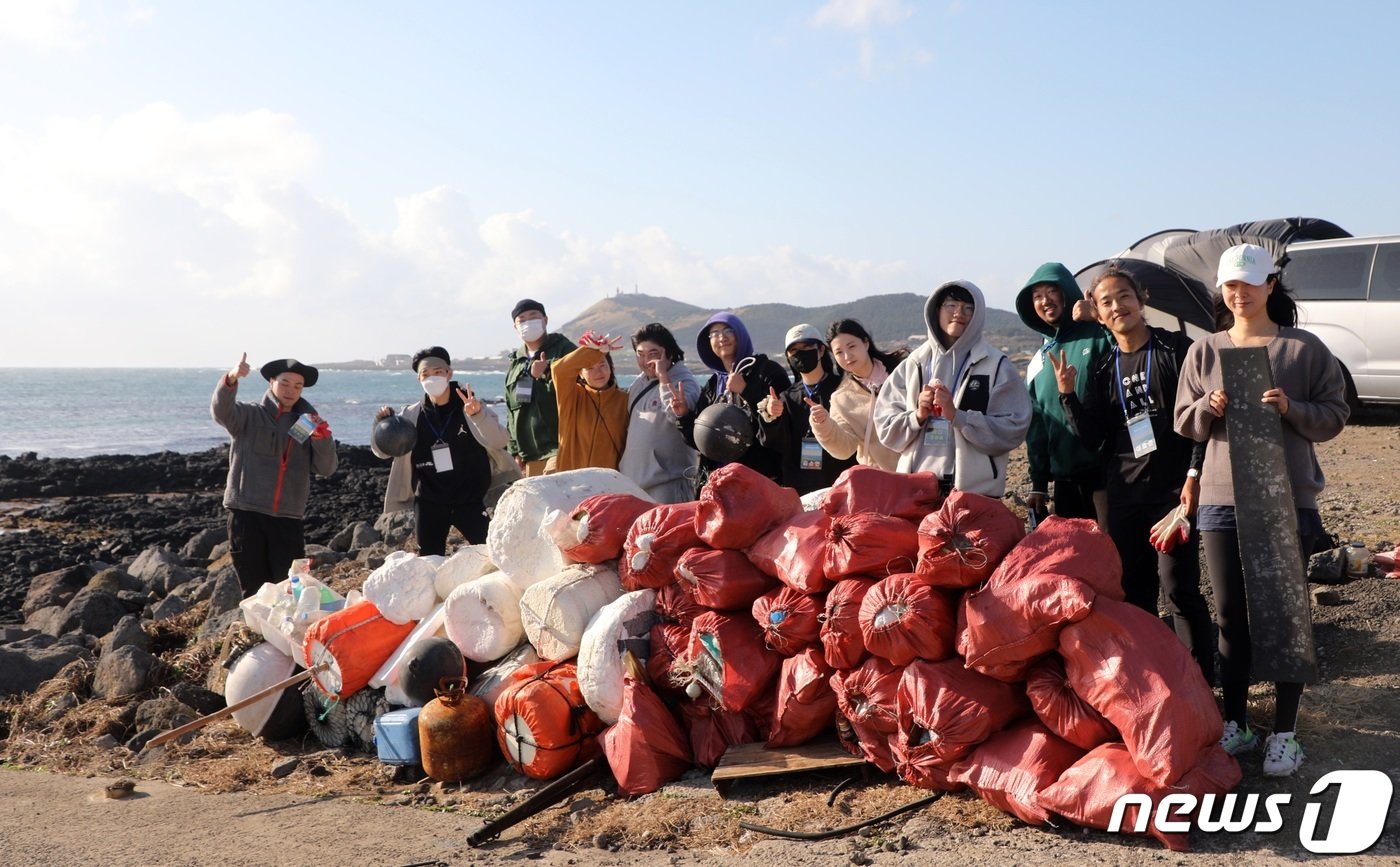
(801, 333)
(1248, 263)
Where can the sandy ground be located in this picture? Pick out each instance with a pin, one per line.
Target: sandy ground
(213, 801)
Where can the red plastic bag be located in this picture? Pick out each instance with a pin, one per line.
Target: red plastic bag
(1072, 547)
(870, 544)
(596, 529)
(1062, 710)
(869, 489)
(842, 642)
(790, 621)
(668, 641)
(646, 747)
(867, 697)
(1004, 628)
(737, 505)
(794, 552)
(903, 619)
(806, 706)
(726, 658)
(1086, 792)
(946, 710)
(966, 539)
(1133, 669)
(721, 580)
(674, 605)
(545, 726)
(1009, 769)
(713, 731)
(654, 543)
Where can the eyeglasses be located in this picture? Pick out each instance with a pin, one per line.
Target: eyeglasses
(723, 331)
(956, 308)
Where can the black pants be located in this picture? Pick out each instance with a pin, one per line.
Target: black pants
(263, 547)
(433, 521)
(1175, 577)
(1074, 497)
(1232, 616)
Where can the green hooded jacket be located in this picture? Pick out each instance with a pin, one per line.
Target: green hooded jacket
(1052, 449)
(534, 426)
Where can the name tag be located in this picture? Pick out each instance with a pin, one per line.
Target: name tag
(524, 388)
(442, 458)
(1140, 432)
(810, 457)
(301, 429)
(938, 432)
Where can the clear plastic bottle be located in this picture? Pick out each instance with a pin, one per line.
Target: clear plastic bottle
(294, 586)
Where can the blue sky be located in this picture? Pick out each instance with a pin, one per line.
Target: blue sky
(181, 182)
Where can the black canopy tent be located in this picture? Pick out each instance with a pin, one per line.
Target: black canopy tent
(1198, 254)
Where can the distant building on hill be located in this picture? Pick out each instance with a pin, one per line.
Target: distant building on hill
(395, 362)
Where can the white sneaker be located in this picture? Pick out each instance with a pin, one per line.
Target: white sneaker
(1282, 754)
(1238, 740)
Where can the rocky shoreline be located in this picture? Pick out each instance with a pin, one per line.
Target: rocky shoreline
(56, 513)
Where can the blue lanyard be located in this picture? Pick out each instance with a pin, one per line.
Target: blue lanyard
(429, 412)
(1146, 377)
(957, 373)
(812, 393)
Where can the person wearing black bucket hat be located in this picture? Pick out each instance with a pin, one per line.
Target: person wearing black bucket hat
(532, 410)
(274, 447)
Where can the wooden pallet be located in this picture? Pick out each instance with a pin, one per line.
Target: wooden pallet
(747, 761)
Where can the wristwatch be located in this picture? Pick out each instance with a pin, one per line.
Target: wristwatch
(1193, 473)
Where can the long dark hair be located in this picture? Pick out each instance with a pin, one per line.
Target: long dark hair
(853, 327)
(1280, 307)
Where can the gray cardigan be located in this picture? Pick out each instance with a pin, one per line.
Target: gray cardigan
(1317, 410)
(258, 438)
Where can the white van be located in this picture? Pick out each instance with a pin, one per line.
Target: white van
(1348, 293)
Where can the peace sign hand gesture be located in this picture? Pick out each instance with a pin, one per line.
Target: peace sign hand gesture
(470, 404)
(1066, 374)
(675, 398)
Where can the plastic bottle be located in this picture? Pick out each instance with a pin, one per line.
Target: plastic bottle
(1358, 560)
(294, 587)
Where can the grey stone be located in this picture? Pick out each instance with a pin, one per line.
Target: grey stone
(106, 742)
(364, 535)
(136, 600)
(201, 544)
(217, 624)
(1328, 567)
(125, 671)
(170, 606)
(54, 588)
(196, 590)
(10, 633)
(341, 541)
(160, 569)
(163, 714)
(395, 527)
(128, 631)
(284, 767)
(92, 611)
(115, 581)
(202, 700)
(40, 619)
(225, 593)
(323, 556)
(24, 668)
(219, 552)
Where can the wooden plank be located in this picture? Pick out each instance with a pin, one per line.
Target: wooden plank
(1276, 587)
(746, 761)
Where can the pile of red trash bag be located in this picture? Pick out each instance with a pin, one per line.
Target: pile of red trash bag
(932, 636)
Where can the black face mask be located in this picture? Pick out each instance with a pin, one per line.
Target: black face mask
(805, 360)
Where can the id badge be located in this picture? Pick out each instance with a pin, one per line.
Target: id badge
(301, 429)
(1140, 432)
(939, 432)
(442, 458)
(524, 387)
(811, 456)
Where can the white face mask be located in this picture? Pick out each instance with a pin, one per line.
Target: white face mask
(434, 386)
(530, 330)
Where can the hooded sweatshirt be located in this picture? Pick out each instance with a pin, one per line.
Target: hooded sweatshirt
(994, 410)
(656, 456)
(1052, 448)
(758, 379)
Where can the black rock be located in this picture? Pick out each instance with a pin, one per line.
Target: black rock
(115, 581)
(204, 701)
(201, 545)
(127, 631)
(125, 671)
(55, 588)
(160, 569)
(94, 612)
(24, 666)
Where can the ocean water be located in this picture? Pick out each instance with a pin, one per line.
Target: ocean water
(76, 412)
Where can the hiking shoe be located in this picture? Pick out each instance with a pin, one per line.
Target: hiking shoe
(1282, 755)
(1238, 740)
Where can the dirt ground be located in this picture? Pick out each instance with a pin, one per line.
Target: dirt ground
(214, 800)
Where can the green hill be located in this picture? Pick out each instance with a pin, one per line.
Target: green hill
(892, 319)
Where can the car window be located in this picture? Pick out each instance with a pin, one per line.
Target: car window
(1330, 273)
(1385, 282)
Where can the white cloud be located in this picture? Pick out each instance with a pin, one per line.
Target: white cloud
(43, 24)
(156, 238)
(859, 15)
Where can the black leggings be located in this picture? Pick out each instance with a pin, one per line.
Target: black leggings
(1222, 549)
(433, 521)
(1176, 576)
(1074, 497)
(263, 547)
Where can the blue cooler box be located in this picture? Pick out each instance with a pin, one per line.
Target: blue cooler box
(396, 737)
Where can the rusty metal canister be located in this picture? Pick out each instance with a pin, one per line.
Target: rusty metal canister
(456, 734)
